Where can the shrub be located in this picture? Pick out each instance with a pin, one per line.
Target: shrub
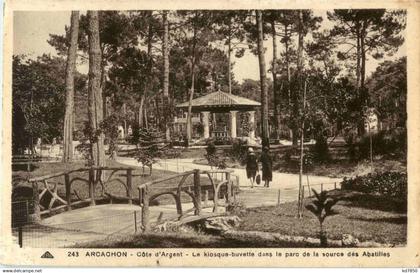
(390, 143)
(150, 147)
(110, 128)
(308, 162)
(213, 158)
(351, 146)
(199, 128)
(211, 148)
(320, 150)
(239, 150)
(392, 184)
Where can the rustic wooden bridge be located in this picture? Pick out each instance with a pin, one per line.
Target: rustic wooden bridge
(208, 191)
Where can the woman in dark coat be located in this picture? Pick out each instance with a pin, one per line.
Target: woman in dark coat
(251, 166)
(267, 167)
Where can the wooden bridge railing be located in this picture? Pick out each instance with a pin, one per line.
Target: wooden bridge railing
(146, 196)
(95, 176)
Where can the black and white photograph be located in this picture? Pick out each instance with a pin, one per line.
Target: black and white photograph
(209, 129)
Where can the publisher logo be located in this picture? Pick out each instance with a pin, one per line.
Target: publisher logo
(47, 255)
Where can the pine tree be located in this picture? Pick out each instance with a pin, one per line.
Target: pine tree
(263, 76)
(95, 90)
(70, 70)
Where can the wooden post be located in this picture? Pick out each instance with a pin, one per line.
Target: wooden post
(27, 211)
(178, 204)
(68, 191)
(206, 198)
(322, 187)
(135, 221)
(129, 186)
(145, 214)
(140, 197)
(20, 236)
(302, 200)
(197, 192)
(229, 189)
(236, 188)
(92, 186)
(278, 199)
(37, 208)
(335, 185)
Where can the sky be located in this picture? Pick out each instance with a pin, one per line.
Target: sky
(32, 29)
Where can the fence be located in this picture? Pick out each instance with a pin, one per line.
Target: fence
(306, 190)
(123, 223)
(48, 200)
(193, 189)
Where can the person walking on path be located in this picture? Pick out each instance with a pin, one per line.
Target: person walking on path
(267, 167)
(251, 166)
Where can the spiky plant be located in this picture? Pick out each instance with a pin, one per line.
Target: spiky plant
(321, 207)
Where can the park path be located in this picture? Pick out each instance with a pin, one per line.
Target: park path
(286, 183)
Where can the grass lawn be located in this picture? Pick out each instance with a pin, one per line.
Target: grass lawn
(366, 217)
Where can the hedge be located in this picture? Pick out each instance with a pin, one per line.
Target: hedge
(392, 184)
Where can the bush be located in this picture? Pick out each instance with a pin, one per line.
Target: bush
(320, 150)
(351, 146)
(239, 150)
(308, 162)
(150, 147)
(213, 158)
(391, 143)
(392, 184)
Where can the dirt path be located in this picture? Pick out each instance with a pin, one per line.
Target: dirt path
(280, 180)
(287, 183)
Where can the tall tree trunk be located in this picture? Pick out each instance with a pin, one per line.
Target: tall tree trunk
(276, 89)
(364, 94)
(70, 69)
(94, 89)
(124, 108)
(149, 77)
(193, 60)
(360, 125)
(361, 88)
(165, 52)
(264, 93)
(230, 59)
(358, 59)
(158, 114)
(302, 137)
(146, 121)
(299, 75)
(289, 99)
(103, 82)
(141, 117)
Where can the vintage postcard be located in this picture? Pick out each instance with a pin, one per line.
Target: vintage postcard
(223, 134)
